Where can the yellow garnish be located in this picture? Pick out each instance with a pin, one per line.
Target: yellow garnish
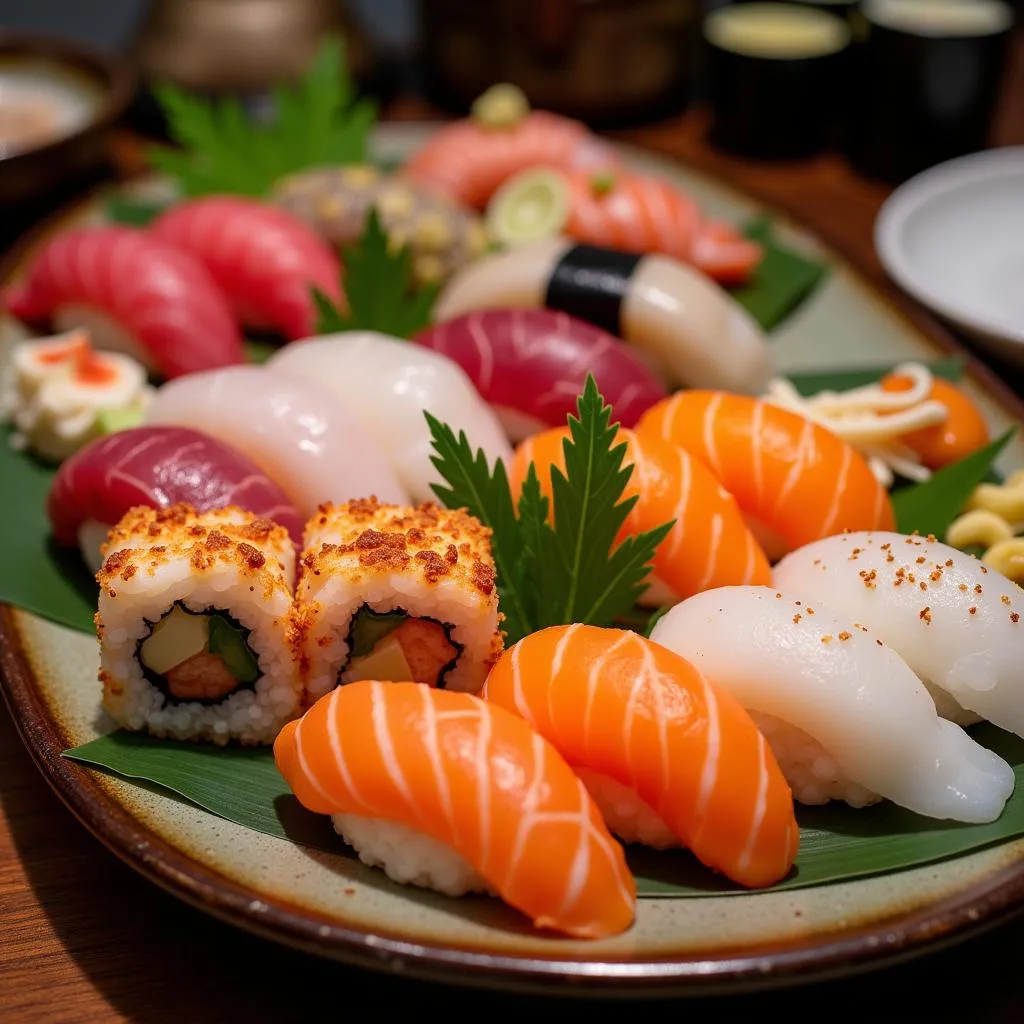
(501, 107)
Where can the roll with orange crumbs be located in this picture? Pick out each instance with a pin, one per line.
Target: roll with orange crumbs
(193, 623)
(394, 593)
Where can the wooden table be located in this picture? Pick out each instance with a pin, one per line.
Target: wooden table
(82, 938)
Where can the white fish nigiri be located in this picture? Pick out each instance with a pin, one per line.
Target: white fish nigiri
(845, 716)
(299, 434)
(387, 384)
(956, 623)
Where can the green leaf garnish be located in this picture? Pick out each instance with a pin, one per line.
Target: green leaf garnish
(379, 289)
(784, 279)
(318, 121)
(573, 571)
(929, 507)
(122, 209)
(230, 642)
(837, 842)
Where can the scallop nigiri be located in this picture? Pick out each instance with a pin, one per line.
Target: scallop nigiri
(444, 791)
(709, 545)
(688, 329)
(160, 467)
(670, 759)
(845, 715)
(134, 293)
(265, 259)
(388, 384)
(956, 622)
(298, 433)
(530, 365)
(467, 160)
(795, 481)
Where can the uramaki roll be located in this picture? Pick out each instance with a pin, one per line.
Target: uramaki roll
(192, 622)
(394, 593)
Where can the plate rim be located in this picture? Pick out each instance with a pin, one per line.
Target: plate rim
(882, 942)
(908, 198)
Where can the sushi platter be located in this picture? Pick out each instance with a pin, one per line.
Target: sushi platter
(508, 558)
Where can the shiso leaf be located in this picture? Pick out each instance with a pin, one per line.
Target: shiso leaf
(783, 281)
(929, 507)
(317, 121)
(837, 843)
(379, 287)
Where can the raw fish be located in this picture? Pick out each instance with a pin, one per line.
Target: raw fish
(160, 467)
(386, 384)
(135, 294)
(265, 259)
(531, 365)
(306, 441)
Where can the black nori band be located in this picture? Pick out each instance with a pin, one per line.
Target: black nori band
(590, 283)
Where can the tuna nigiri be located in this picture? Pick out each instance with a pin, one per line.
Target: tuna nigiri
(160, 467)
(264, 258)
(469, 159)
(688, 329)
(794, 480)
(388, 384)
(135, 294)
(444, 791)
(845, 715)
(955, 621)
(530, 365)
(668, 758)
(296, 432)
(631, 212)
(709, 546)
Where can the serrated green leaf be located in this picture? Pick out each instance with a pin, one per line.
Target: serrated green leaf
(837, 843)
(122, 209)
(931, 506)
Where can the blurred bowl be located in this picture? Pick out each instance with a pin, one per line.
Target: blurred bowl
(58, 102)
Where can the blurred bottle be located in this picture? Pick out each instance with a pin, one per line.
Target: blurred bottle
(607, 62)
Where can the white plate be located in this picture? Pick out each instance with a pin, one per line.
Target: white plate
(953, 237)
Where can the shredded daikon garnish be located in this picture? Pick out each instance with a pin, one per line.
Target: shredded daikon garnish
(872, 420)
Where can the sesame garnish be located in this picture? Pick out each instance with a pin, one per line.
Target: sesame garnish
(983, 569)
(930, 538)
(1005, 598)
(778, 596)
(949, 563)
(798, 603)
(923, 585)
(964, 588)
(810, 611)
(827, 638)
(936, 576)
(868, 578)
(921, 560)
(977, 588)
(925, 615)
(844, 635)
(879, 642)
(797, 618)
(1014, 618)
(972, 610)
(817, 561)
(860, 626)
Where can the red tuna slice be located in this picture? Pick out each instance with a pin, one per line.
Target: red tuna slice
(266, 260)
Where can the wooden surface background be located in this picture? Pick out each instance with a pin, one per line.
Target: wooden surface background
(83, 938)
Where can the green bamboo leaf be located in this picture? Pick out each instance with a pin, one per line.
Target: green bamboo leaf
(837, 842)
(930, 507)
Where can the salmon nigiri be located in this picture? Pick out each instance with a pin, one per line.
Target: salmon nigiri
(670, 759)
(709, 546)
(135, 294)
(795, 481)
(469, 159)
(450, 793)
(265, 259)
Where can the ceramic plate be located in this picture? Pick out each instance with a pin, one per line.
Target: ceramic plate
(333, 906)
(953, 237)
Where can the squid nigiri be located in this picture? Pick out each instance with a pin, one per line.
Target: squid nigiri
(469, 159)
(670, 759)
(134, 293)
(264, 259)
(689, 330)
(530, 365)
(296, 432)
(447, 792)
(632, 212)
(709, 546)
(387, 384)
(794, 480)
(955, 622)
(159, 467)
(844, 714)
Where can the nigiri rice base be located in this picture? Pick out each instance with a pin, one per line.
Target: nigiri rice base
(812, 773)
(625, 814)
(408, 856)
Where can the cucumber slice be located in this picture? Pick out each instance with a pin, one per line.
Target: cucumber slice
(528, 207)
(178, 636)
(110, 421)
(370, 627)
(228, 642)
